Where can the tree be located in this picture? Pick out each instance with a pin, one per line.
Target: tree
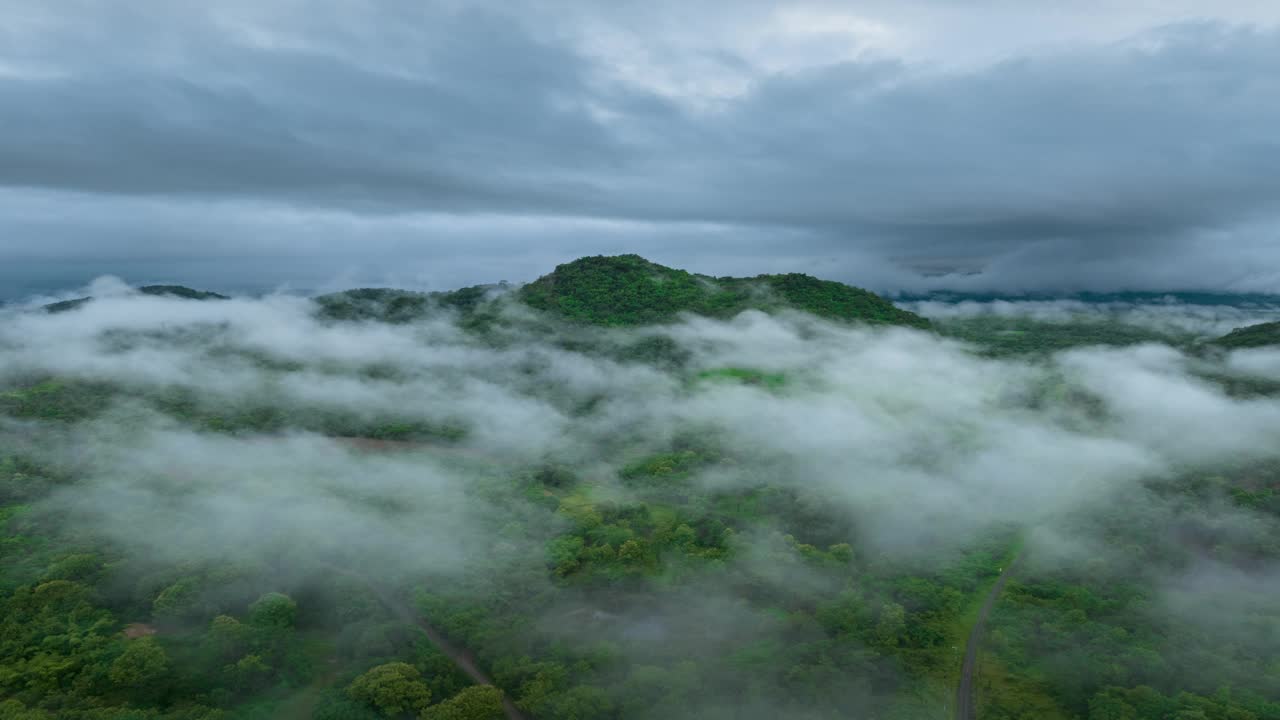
(14, 710)
(634, 552)
(142, 663)
(227, 637)
(684, 537)
(478, 702)
(888, 630)
(394, 689)
(337, 706)
(564, 554)
(79, 567)
(582, 702)
(249, 673)
(179, 600)
(1107, 706)
(273, 610)
(841, 552)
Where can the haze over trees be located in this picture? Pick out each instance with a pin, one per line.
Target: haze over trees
(629, 491)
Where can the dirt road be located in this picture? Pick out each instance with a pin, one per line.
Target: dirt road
(965, 707)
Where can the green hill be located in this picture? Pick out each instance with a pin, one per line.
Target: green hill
(180, 291)
(1251, 336)
(398, 306)
(629, 290)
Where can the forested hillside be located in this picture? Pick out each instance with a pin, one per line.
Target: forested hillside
(1259, 335)
(629, 290)
(624, 491)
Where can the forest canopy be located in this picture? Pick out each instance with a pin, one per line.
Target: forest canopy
(625, 491)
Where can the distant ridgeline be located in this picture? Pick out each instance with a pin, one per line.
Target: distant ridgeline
(627, 290)
(1125, 297)
(167, 290)
(1017, 333)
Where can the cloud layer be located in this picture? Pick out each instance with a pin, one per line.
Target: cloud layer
(914, 435)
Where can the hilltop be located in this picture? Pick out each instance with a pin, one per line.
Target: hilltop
(630, 290)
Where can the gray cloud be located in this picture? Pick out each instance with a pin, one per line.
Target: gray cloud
(1127, 156)
(432, 124)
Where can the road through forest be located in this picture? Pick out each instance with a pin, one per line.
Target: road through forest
(965, 706)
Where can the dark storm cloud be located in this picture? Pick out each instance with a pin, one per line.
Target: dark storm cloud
(1118, 147)
(457, 113)
(1147, 162)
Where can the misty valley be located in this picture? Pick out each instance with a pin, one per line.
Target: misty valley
(629, 491)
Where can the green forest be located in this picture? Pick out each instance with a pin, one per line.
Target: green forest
(629, 491)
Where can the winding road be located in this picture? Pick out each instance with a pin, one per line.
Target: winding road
(966, 709)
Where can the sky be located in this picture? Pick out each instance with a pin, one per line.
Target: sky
(907, 145)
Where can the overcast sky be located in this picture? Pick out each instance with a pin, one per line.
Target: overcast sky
(1015, 144)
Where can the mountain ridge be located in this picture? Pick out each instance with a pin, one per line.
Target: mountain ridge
(629, 290)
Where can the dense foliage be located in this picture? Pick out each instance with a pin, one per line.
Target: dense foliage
(92, 631)
(1084, 642)
(402, 306)
(87, 631)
